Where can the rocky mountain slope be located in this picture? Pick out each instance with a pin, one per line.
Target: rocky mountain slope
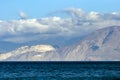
(32, 53)
(103, 44)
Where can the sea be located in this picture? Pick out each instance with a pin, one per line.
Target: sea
(60, 70)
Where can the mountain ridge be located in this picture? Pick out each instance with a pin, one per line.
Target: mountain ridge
(98, 43)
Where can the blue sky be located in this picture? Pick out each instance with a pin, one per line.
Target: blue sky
(9, 9)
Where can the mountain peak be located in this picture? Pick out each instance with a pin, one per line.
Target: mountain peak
(28, 50)
(43, 48)
(37, 48)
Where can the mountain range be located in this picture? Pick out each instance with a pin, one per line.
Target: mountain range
(100, 45)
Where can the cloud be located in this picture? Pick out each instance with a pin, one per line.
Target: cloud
(78, 23)
(23, 15)
(76, 14)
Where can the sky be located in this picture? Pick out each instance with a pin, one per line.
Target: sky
(28, 20)
(10, 9)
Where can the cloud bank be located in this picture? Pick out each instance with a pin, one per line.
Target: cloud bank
(78, 23)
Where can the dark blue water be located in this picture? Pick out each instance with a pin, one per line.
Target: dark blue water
(59, 70)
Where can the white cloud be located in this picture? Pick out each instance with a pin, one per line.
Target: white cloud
(23, 15)
(79, 23)
(94, 16)
(76, 14)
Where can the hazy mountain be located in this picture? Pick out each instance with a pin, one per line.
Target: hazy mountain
(101, 45)
(26, 53)
(57, 42)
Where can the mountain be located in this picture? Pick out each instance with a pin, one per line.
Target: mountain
(100, 45)
(56, 41)
(31, 53)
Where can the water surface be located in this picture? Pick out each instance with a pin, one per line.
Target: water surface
(59, 70)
